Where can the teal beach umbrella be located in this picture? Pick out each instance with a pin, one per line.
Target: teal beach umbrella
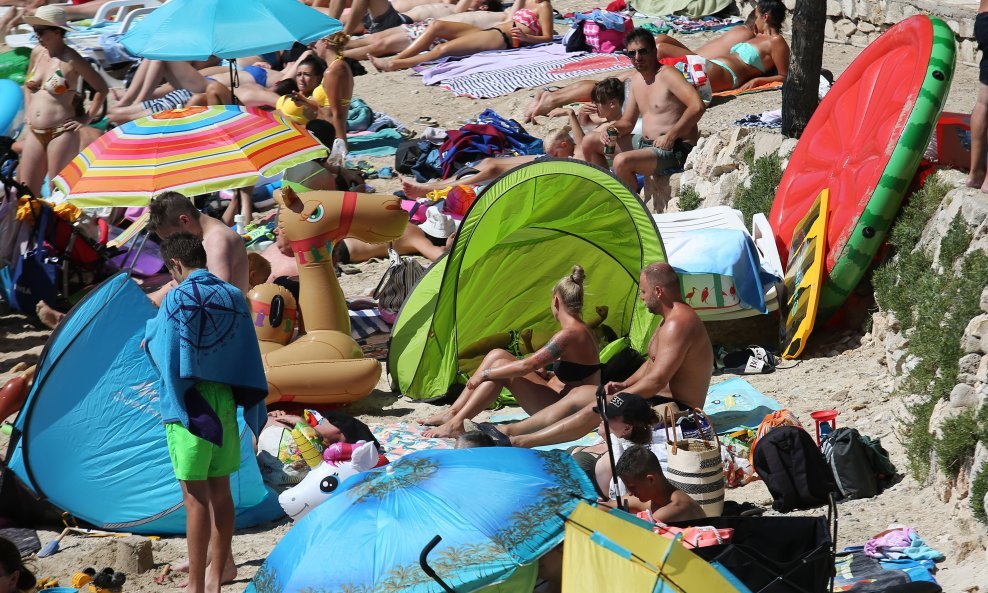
(198, 29)
(495, 509)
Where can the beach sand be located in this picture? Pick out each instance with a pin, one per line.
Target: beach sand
(839, 370)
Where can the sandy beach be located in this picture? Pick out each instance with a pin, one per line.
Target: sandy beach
(842, 370)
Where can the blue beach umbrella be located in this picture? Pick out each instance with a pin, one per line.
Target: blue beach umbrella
(496, 509)
(197, 29)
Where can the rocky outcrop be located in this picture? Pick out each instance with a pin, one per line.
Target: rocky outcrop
(971, 391)
(716, 169)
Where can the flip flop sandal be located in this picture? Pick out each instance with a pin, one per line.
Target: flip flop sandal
(753, 360)
(500, 439)
(427, 121)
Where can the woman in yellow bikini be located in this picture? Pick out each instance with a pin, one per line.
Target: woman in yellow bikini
(748, 63)
(53, 105)
(324, 86)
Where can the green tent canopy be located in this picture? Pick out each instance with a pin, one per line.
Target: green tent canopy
(524, 232)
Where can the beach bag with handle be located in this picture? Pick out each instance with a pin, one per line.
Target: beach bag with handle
(396, 284)
(695, 465)
(31, 277)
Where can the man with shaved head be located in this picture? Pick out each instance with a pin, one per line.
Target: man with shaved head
(677, 370)
(680, 357)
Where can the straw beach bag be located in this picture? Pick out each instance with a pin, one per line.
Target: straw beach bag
(695, 465)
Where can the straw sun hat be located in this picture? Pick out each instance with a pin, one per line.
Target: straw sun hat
(49, 16)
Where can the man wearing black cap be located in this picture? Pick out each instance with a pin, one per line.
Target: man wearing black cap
(677, 371)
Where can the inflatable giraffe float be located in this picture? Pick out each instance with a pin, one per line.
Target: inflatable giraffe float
(325, 365)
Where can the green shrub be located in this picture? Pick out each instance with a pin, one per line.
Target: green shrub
(934, 309)
(766, 173)
(960, 435)
(917, 211)
(689, 199)
(979, 487)
(918, 440)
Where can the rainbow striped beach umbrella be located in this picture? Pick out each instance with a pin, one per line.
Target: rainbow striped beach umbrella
(192, 151)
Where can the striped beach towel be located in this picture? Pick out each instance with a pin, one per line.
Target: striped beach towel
(495, 83)
(367, 322)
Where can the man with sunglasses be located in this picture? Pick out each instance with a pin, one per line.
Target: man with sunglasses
(669, 107)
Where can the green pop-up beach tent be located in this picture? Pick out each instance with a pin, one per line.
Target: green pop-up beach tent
(524, 232)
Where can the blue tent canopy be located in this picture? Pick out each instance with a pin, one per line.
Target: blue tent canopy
(90, 440)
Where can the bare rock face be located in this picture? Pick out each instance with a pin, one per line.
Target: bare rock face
(716, 169)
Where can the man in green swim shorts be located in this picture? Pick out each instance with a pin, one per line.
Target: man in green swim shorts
(203, 344)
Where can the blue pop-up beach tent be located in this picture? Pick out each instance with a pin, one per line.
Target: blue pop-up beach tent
(90, 440)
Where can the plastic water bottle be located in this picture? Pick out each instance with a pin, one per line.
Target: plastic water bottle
(238, 223)
(612, 134)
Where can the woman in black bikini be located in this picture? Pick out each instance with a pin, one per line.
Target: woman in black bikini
(573, 349)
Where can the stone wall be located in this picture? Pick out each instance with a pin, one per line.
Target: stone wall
(715, 167)
(859, 22)
(971, 391)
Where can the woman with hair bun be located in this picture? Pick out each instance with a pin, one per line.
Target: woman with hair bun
(573, 349)
(14, 576)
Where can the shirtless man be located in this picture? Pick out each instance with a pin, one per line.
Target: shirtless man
(381, 15)
(670, 108)
(979, 116)
(677, 371)
(172, 212)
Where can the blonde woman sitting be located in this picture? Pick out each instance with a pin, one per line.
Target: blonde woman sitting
(573, 348)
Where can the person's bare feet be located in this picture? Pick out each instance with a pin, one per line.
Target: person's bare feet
(437, 419)
(531, 110)
(48, 316)
(976, 179)
(229, 573)
(450, 429)
(381, 64)
(412, 188)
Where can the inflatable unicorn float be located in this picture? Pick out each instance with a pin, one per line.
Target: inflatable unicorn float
(325, 365)
(341, 461)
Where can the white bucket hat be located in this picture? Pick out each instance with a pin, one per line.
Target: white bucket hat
(437, 224)
(49, 16)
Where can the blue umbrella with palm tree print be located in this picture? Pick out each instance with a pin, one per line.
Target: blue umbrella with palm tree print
(495, 509)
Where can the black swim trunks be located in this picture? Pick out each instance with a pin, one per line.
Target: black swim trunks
(981, 35)
(390, 19)
(658, 400)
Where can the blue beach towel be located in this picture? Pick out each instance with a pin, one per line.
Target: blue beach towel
(728, 252)
(380, 143)
(204, 332)
(735, 404)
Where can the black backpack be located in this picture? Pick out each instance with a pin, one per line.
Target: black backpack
(861, 466)
(793, 468)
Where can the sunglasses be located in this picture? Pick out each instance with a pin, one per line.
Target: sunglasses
(632, 53)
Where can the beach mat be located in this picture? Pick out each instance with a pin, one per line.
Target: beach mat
(735, 404)
(772, 86)
(500, 72)
(515, 415)
(401, 438)
(25, 539)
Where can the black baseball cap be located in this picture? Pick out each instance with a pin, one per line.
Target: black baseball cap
(630, 406)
